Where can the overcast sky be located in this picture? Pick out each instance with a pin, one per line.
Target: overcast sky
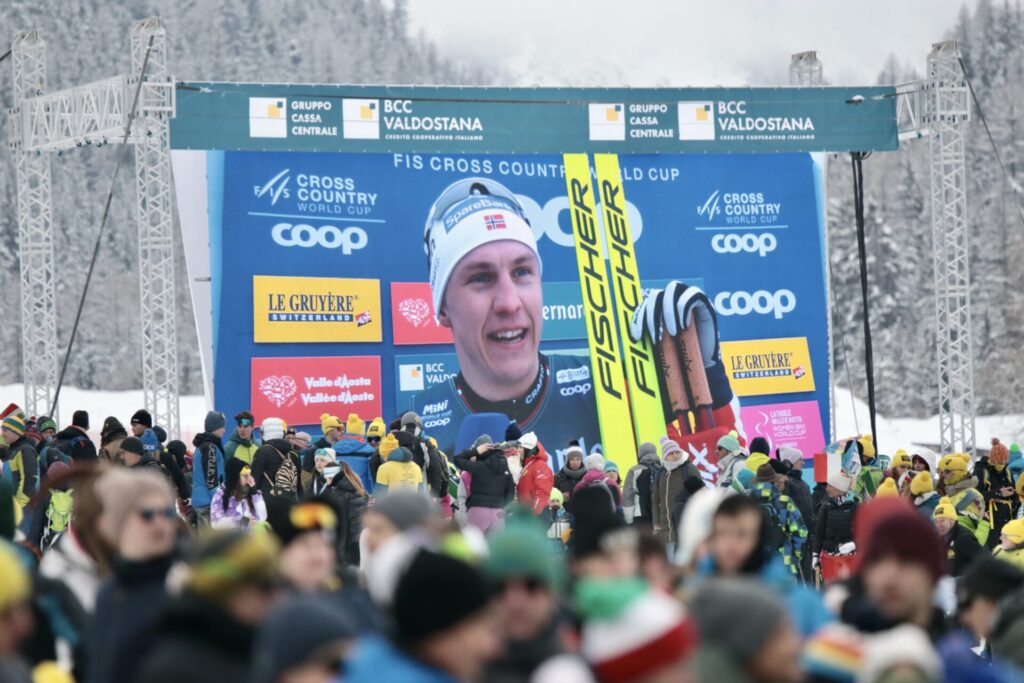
(682, 42)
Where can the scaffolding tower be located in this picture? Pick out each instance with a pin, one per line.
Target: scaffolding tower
(96, 114)
(946, 112)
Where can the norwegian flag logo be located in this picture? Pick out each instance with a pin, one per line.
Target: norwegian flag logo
(494, 221)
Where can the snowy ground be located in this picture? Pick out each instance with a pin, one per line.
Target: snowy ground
(851, 417)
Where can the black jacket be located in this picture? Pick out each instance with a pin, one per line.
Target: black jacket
(492, 485)
(963, 548)
(423, 454)
(800, 492)
(834, 526)
(350, 522)
(124, 626)
(198, 642)
(77, 444)
(267, 462)
(172, 470)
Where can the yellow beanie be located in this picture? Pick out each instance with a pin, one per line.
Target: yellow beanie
(376, 428)
(329, 422)
(922, 483)
(1014, 530)
(354, 425)
(952, 462)
(901, 459)
(755, 460)
(887, 489)
(867, 444)
(14, 580)
(945, 510)
(387, 445)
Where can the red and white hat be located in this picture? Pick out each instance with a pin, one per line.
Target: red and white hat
(649, 634)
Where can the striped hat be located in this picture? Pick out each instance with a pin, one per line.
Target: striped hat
(632, 631)
(834, 654)
(15, 423)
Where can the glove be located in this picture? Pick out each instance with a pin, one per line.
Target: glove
(815, 562)
(683, 311)
(848, 548)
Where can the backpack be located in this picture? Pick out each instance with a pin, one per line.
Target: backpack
(58, 515)
(773, 537)
(286, 479)
(52, 453)
(644, 486)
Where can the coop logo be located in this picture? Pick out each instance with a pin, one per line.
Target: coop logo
(709, 209)
(348, 239)
(275, 188)
(762, 302)
(576, 389)
(750, 243)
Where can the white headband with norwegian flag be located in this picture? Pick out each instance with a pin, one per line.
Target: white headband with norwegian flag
(459, 224)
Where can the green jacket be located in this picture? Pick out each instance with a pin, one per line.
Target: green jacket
(243, 449)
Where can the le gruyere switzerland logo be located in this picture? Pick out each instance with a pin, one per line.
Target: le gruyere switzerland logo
(314, 309)
(268, 117)
(768, 366)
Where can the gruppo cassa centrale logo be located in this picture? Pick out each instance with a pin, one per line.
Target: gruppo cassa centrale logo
(268, 117)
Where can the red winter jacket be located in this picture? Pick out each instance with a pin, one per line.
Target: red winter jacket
(535, 482)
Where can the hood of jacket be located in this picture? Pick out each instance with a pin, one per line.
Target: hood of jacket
(400, 454)
(649, 458)
(352, 445)
(206, 437)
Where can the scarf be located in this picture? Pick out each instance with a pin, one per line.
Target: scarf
(671, 465)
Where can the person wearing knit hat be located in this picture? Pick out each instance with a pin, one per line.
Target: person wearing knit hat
(1011, 543)
(525, 578)
(638, 487)
(444, 626)
(786, 527)
(759, 444)
(354, 426)
(887, 489)
(962, 544)
(16, 614)
(995, 483)
(23, 458)
(305, 639)
(207, 464)
(903, 653)
(731, 458)
(833, 655)
(75, 440)
(512, 432)
(923, 493)
(985, 584)
(900, 558)
(871, 475)
(669, 485)
(112, 430)
(954, 475)
(47, 426)
(141, 421)
(375, 432)
(140, 520)
(208, 628)
(307, 533)
(833, 532)
(237, 503)
(570, 474)
(755, 460)
(634, 633)
(745, 634)
(901, 463)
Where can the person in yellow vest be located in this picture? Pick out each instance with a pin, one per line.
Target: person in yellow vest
(962, 548)
(1011, 543)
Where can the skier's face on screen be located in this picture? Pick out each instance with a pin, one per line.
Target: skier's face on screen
(493, 306)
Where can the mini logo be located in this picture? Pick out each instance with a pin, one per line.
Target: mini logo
(278, 388)
(275, 188)
(268, 117)
(696, 120)
(410, 377)
(416, 311)
(607, 121)
(438, 407)
(494, 221)
(363, 318)
(360, 119)
(710, 208)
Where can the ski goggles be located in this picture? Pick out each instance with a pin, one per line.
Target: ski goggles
(245, 422)
(308, 516)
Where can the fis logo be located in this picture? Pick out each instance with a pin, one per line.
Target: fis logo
(268, 117)
(710, 208)
(275, 188)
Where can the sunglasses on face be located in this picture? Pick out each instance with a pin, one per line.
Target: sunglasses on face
(373, 439)
(149, 514)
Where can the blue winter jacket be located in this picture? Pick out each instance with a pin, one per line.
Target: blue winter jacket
(355, 452)
(207, 468)
(375, 660)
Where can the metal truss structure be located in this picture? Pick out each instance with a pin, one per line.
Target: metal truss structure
(95, 114)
